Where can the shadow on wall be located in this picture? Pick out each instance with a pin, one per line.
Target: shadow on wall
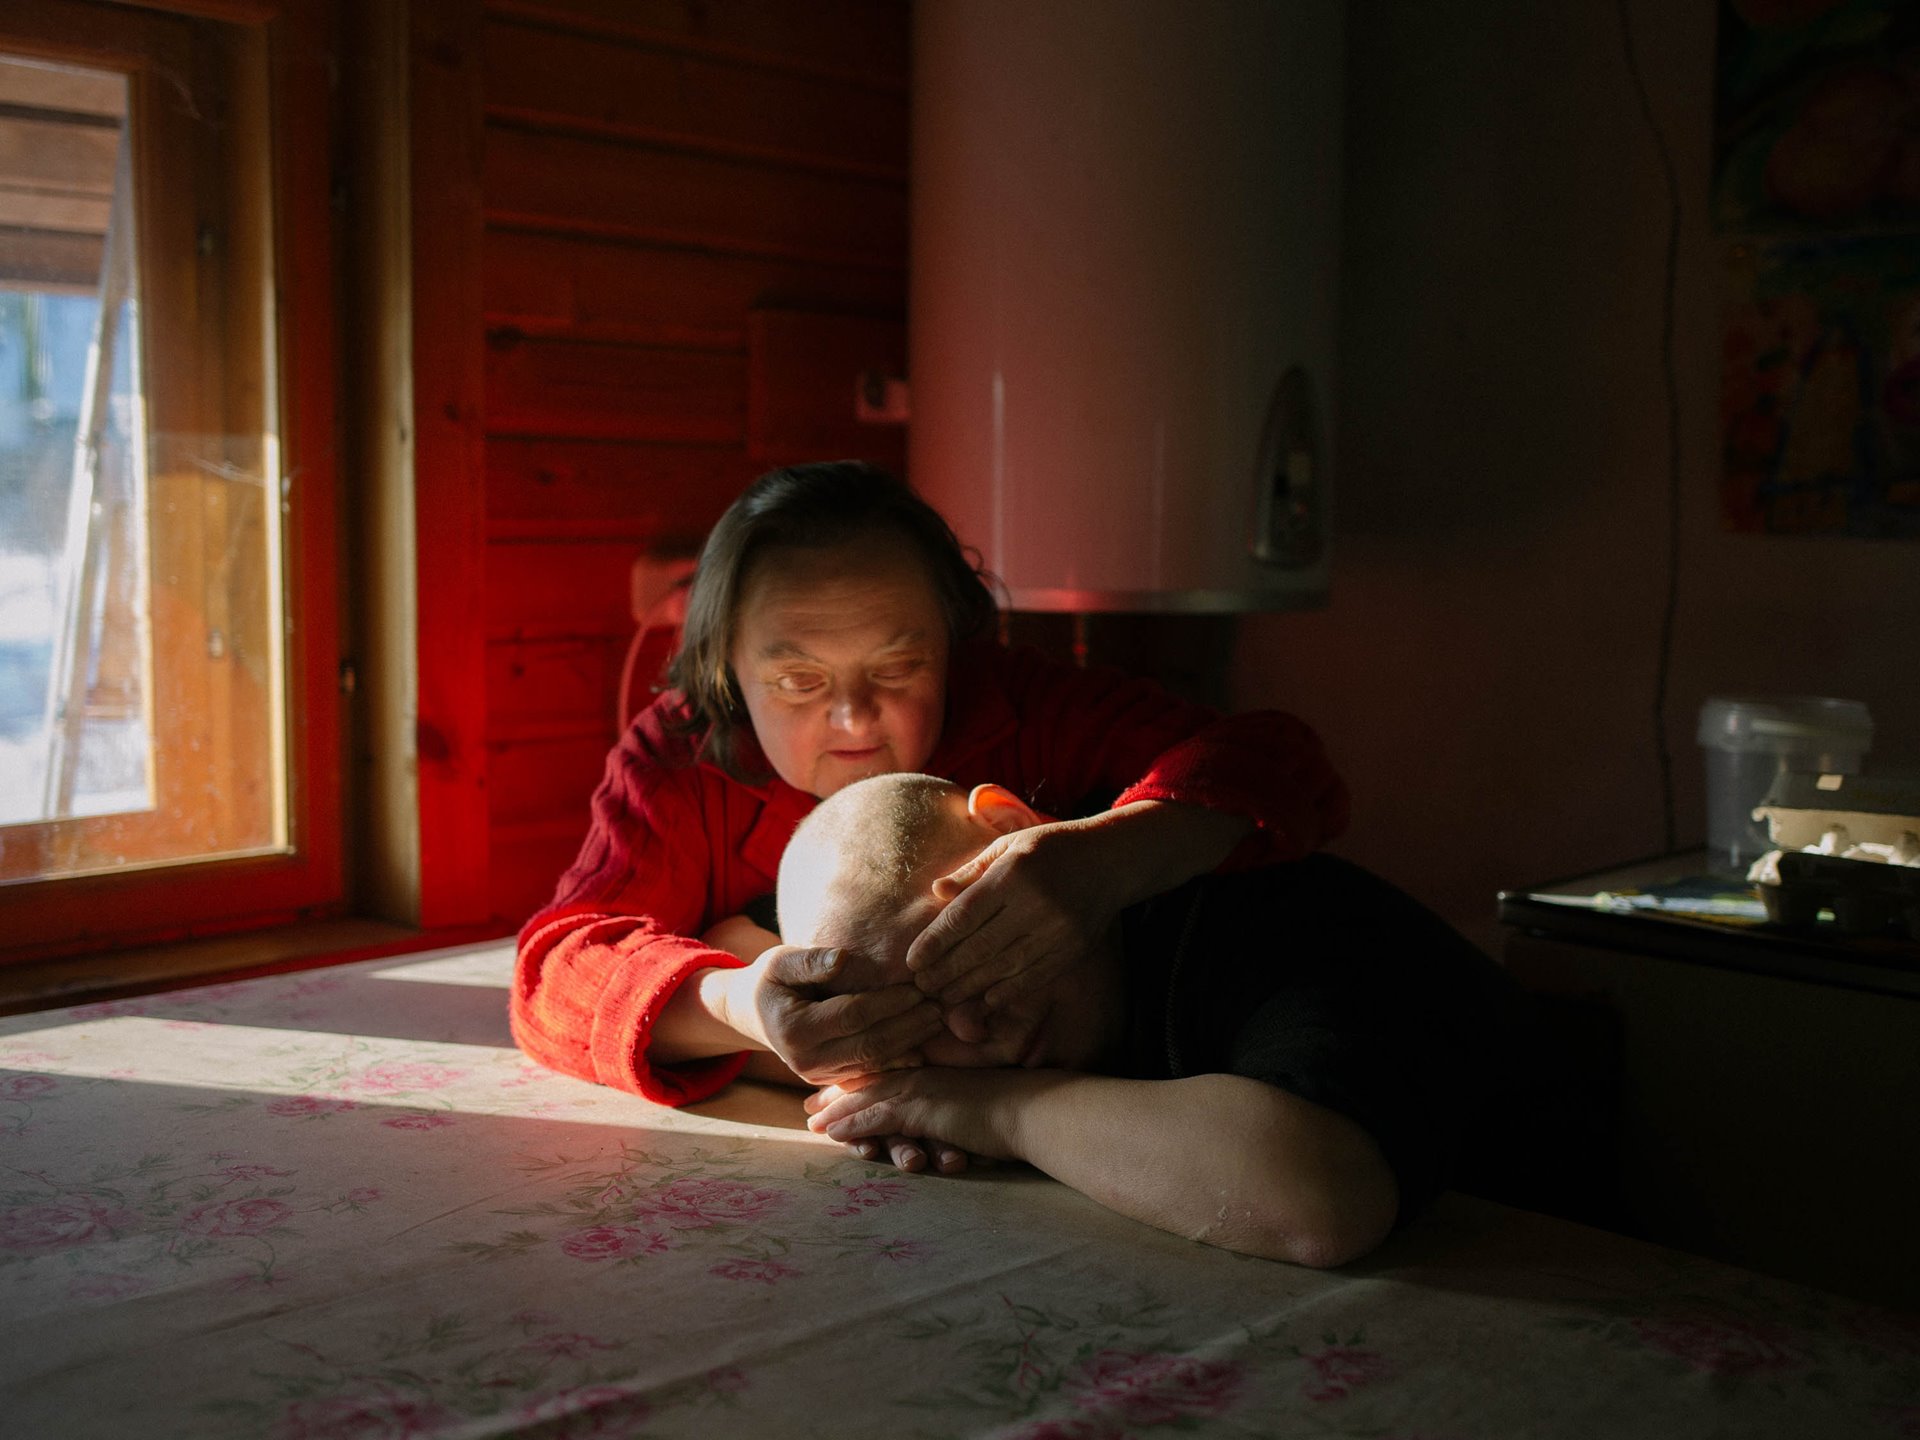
(1192, 655)
(1500, 314)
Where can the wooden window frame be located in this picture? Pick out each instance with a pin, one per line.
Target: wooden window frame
(69, 915)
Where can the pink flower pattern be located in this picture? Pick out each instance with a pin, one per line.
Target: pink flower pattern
(111, 1227)
(303, 1107)
(392, 1076)
(614, 1242)
(765, 1272)
(586, 1413)
(528, 1074)
(236, 1217)
(1720, 1346)
(1156, 1389)
(417, 1122)
(386, 1416)
(64, 1224)
(1338, 1370)
(694, 1203)
(866, 1195)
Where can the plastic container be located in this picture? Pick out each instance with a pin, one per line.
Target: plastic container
(1749, 741)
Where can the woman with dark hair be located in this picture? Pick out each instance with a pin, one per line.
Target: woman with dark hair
(836, 629)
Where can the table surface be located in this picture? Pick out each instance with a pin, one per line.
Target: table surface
(340, 1204)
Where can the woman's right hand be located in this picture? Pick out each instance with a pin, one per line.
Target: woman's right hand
(814, 1009)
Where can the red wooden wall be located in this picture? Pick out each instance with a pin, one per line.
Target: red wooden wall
(654, 173)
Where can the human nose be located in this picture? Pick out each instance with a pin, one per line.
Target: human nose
(854, 708)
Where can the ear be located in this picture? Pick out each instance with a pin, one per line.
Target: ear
(1000, 810)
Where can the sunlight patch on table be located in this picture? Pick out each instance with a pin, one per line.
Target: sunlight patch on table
(344, 1071)
(489, 966)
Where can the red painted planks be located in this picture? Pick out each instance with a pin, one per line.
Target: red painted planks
(560, 590)
(547, 686)
(667, 495)
(607, 290)
(863, 40)
(449, 449)
(745, 207)
(528, 859)
(654, 170)
(551, 77)
(544, 779)
(580, 390)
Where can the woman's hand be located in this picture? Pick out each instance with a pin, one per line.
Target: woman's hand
(794, 1002)
(1025, 908)
(1040, 897)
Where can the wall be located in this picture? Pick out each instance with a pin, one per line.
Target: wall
(655, 172)
(1486, 672)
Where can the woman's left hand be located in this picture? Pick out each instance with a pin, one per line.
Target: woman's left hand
(1040, 897)
(1020, 912)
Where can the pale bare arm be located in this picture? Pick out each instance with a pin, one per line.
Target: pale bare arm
(1216, 1158)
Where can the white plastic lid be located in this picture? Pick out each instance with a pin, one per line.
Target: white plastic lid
(1788, 725)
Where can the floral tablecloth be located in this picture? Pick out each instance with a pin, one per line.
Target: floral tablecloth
(340, 1204)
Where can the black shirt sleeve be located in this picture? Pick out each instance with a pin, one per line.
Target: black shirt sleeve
(1324, 981)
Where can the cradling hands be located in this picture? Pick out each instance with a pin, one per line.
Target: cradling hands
(814, 1009)
(977, 1036)
(1029, 905)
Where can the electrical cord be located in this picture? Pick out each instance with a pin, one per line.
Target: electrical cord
(1671, 602)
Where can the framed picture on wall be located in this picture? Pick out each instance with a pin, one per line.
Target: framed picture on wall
(1816, 193)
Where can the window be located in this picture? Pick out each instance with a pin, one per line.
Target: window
(168, 734)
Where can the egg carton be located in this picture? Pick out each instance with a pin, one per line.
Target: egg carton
(1849, 844)
(1865, 896)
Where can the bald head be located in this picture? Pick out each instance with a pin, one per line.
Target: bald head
(858, 870)
(858, 874)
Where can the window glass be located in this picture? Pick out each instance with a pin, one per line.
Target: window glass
(141, 629)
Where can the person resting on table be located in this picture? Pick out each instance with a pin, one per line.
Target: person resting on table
(837, 630)
(1283, 1062)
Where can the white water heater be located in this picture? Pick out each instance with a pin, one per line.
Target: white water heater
(1126, 222)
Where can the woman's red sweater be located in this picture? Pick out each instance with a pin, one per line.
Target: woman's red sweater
(676, 844)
